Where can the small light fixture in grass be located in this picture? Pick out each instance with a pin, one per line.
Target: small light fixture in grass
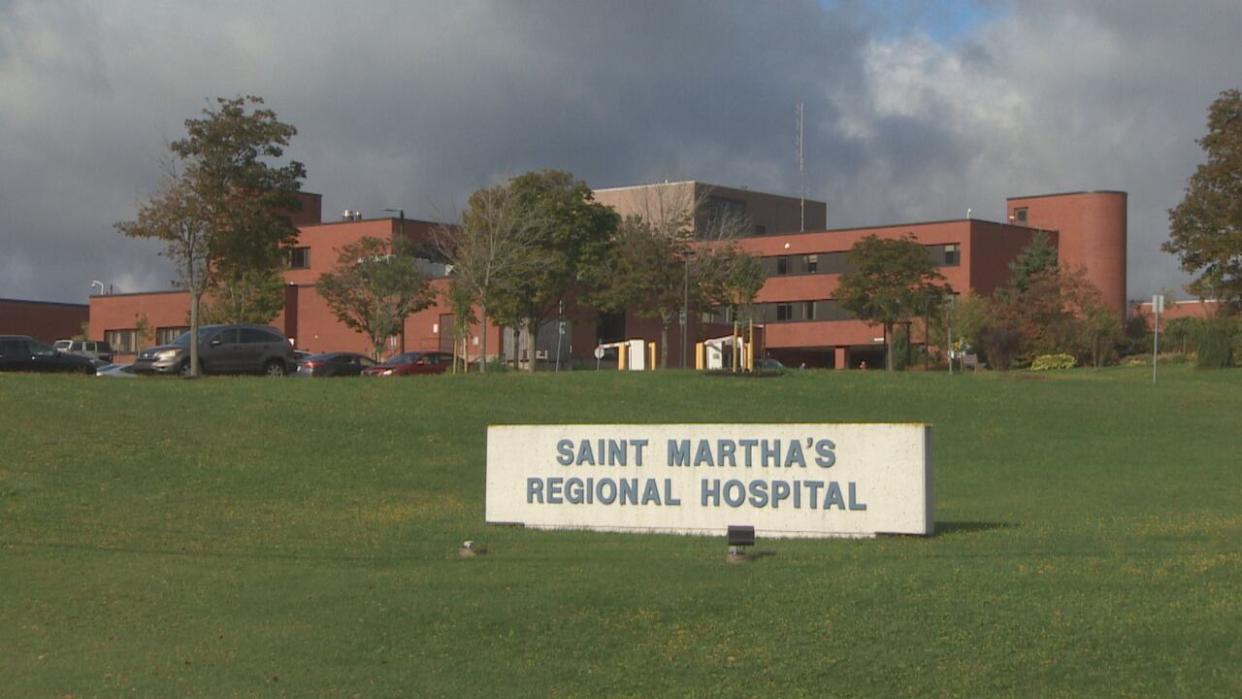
(739, 538)
(470, 549)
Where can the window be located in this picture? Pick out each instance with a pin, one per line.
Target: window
(122, 341)
(299, 258)
(782, 265)
(164, 336)
(254, 335)
(227, 336)
(13, 348)
(808, 310)
(784, 311)
(1019, 215)
(761, 230)
(812, 264)
(952, 256)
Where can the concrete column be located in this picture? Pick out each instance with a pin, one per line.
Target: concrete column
(841, 360)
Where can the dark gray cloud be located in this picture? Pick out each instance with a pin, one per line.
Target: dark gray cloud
(414, 105)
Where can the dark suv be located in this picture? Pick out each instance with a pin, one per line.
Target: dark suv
(222, 349)
(23, 353)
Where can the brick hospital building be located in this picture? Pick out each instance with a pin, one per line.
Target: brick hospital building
(802, 323)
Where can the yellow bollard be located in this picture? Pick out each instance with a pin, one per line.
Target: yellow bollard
(622, 351)
(699, 358)
(651, 356)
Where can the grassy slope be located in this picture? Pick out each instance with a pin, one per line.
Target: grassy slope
(248, 536)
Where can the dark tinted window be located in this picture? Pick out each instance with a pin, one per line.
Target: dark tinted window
(40, 349)
(13, 348)
(256, 335)
(228, 335)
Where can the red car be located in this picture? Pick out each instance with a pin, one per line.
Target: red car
(412, 363)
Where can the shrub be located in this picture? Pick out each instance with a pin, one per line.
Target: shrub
(1047, 362)
(1216, 344)
(1001, 344)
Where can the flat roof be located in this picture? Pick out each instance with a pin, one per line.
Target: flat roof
(1067, 194)
(373, 220)
(46, 303)
(705, 184)
(902, 225)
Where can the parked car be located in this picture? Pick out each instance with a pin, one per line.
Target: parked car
(769, 364)
(222, 349)
(116, 371)
(98, 350)
(334, 364)
(24, 353)
(411, 364)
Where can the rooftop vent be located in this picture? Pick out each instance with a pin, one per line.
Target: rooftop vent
(351, 215)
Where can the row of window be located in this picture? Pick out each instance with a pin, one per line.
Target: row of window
(786, 311)
(125, 341)
(949, 255)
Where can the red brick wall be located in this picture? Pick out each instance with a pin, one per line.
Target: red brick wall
(1092, 228)
(993, 246)
(45, 321)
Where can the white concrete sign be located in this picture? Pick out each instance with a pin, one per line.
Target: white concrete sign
(785, 480)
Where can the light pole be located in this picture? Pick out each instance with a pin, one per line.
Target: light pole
(401, 235)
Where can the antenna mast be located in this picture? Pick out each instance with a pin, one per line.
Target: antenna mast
(801, 177)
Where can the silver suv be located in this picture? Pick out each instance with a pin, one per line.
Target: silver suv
(222, 349)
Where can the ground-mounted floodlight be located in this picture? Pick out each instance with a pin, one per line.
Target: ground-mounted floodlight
(739, 538)
(470, 549)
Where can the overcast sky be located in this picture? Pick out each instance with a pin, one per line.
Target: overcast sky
(914, 110)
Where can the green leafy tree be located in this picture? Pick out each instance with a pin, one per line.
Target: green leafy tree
(1205, 229)
(492, 250)
(374, 287)
(461, 300)
(222, 209)
(729, 277)
(568, 251)
(253, 296)
(889, 282)
(228, 159)
(1181, 333)
(1039, 257)
(646, 274)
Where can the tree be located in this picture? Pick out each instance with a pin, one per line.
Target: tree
(1038, 257)
(729, 277)
(646, 274)
(1205, 229)
(1182, 333)
(571, 241)
(890, 282)
(489, 252)
(461, 301)
(246, 199)
(222, 208)
(375, 286)
(253, 296)
(179, 218)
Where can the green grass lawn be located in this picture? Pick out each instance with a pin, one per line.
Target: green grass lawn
(254, 537)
